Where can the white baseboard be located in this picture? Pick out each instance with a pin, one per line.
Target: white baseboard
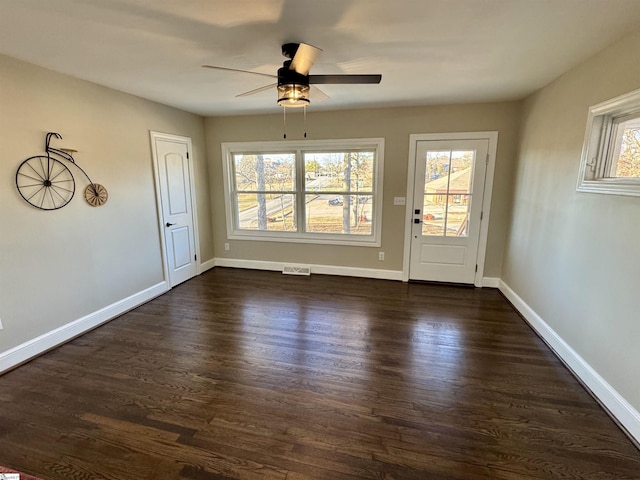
(32, 348)
(491, 282)
(625, 414)
(317, 269)
(208, 265)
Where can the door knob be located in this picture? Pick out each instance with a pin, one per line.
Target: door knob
(170, 224)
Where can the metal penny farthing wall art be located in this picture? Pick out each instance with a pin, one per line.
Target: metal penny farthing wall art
(45, 182)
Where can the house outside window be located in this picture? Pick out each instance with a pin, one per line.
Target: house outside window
(610, 160)
(324, 191)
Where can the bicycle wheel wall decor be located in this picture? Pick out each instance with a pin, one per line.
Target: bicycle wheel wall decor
(45, 182)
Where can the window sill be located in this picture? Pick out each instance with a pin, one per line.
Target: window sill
(364, 241)
(611, 187)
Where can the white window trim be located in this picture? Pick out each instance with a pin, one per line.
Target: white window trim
(598, 150)
(373, 240)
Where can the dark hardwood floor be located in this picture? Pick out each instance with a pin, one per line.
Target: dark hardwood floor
(242, 374)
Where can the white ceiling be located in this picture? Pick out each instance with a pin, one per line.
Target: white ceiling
(428, 51)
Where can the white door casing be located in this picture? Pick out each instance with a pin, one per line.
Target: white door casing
(173, 168)
(445, 238)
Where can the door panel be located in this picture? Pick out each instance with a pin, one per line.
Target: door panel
(182, 254)
(447, 208)
(177, 187)
(444, 254)
(174, 173)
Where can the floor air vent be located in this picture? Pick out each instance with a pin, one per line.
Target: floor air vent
(296, 270)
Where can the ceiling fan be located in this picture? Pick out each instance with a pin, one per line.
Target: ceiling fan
(293, 79)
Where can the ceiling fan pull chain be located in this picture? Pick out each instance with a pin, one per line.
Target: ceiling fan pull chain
(284, 117)
(305, 120)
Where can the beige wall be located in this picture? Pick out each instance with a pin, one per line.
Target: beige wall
(574, 257)
(58, 266)
(394, 125)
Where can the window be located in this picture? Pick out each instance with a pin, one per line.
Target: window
(611, 152)
(324, 191)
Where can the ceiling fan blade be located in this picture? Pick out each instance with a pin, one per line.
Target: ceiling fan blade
(304, 58)
(344, 79)
(240, 71)
(319, 95)
(257, 90)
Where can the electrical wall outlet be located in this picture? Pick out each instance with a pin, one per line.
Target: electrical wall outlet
(380, 255)
(227, 246)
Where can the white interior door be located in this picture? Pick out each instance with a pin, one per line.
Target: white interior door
(447, 209)
(174, 174)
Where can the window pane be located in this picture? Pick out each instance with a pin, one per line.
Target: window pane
(458, 215)
(627, 164)
(343, 214)
(265, 172)
(264, 211)
(339, 171)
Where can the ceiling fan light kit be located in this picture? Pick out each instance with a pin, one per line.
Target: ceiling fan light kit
(293, 95)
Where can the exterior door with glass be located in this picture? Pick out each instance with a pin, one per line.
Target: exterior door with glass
(447, 209)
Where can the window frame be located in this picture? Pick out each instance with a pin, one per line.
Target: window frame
(298, 148)
(600, 147)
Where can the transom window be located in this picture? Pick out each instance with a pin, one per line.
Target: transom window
(312, 191)
(611, 153)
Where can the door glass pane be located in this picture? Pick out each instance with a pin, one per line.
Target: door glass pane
(436, 172)
(447, 192)
(433, 213)
(265, 211)
(458, 215)
(461, 171)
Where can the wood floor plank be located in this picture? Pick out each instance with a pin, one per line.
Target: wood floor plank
(242, 374)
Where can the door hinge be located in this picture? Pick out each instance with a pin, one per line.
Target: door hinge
(195, 257)
(487, 160)
(476, 268)
(481, 215)
(187, 155)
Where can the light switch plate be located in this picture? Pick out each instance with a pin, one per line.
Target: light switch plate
(399, 201)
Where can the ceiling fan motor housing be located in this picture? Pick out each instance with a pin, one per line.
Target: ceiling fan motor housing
(289, 49)
(286, 75)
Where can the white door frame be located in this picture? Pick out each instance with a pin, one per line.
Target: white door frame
(194, 208)
(492, 136)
